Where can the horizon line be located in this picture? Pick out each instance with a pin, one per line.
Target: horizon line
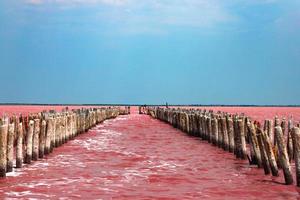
(178, 105)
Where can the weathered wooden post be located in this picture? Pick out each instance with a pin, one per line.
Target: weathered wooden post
(214, 124)
(10, 147)
(283, 156)
(42, 139)
(254, 142)
(3, 149)
(29, 138)
(209, 129)
(237, 139)
(63, 129)
(203, 126)
(224, 130)
(36, 134)
(220, 133)
(19, 150)
(283, 126)
(230, 133)
(57, 131)
(296, 145)
(289, 140)
(243, 149)
(270, 153)
(270, 130)
(263, 153)
(49, 132)
(200, 125)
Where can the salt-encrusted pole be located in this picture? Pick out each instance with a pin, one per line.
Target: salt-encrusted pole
(270, 153)
(225, 133)
(296, 144)
(36, 134)
(220, 133)
(3, 149)
(10, 147)
(290, 141)
(29, 138)
(42, 139)
(214, 125)
(263, 153)
(19, 150)
(243, 150)
(270, 130)
(254, 143)
(283, 156)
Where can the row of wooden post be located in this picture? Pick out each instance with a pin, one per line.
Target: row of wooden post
(269, 147)
(24, 139)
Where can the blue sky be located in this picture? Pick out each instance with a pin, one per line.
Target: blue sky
(150, 51)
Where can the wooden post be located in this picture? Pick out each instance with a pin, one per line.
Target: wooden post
(209, 129)
(270, 130)
(214, 124)
(29, 138)
(42, 139)
(19, 150)
(3, 149)
(237, 140)
(283, 126)
(296, 145)
(283, 156)
(243, 150)
(200, 125)
(57, 131)
(203, 127)
(270, 153)
(290, 141)
(224, 130)
(255, 145)
(53, 134)
(10, 147)
(220, 133)
(36, 134)
(263, 153)
(230, 134)
(49, 135)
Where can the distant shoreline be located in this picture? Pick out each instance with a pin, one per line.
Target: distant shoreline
(170, 105)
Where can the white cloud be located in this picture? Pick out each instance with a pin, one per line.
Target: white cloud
(153, 16)
(73, 2)
(35, 2)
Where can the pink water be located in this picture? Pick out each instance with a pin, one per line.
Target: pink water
(16, 109)
(137, 157)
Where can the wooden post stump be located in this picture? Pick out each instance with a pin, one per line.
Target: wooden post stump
(19, 150)
(10, 147)
(296, 144)
(3, 149)
(49, 136)
(42, 139)
(255, 145)
(242, 150)
(214, 124)
(290, 141)
(263, 153)
(230, 134)
(29, 138)
(270, 153)
(36, 134)
(224, 130)
(283, 156)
